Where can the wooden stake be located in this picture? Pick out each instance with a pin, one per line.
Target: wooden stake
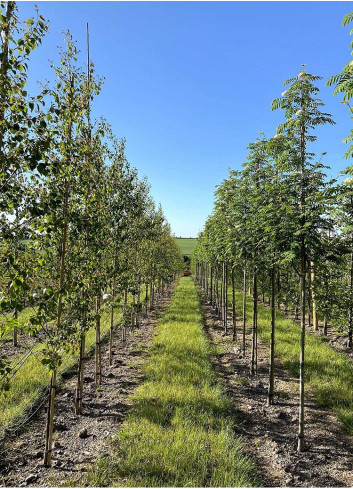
(98, 345)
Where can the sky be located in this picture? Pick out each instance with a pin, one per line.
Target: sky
(190, 84)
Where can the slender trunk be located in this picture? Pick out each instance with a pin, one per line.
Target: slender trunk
(211, 283)
(50, 419)
(15, 331)
(296, 313)
(133, 315)
(350, 323)
(302, 290)
(225, 297)
(221, 310)
(244, 306)
(233, 305)
(98, 344)
(313, 295)
(111, 330)
(80, 370)
(272, 341)
(302, 351)
(124, 316)
(253, 369)
(278, 290)
(206, 280)
(217, 289)
(137, 321)
(309, 296)
(146, 299)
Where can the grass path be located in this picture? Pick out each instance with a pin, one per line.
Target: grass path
(180, 430)
(329, 373)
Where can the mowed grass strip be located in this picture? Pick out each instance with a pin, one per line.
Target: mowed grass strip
(180, 429)
(329, 374)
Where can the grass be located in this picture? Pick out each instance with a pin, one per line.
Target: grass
(22, 319)
(29, 384)
(329, 373)
(180, 430)
(186, 245)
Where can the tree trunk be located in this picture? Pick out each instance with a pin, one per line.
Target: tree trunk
(309, 296)
(296, 316)
(137, 319)
(146, 299)
(225, 298)
(253, 369)
(50, 420)
(217, 290)
(302, 351)
(315, 318)
(233, 305)
(79, 387)
(98, 344)
(111, 331)
(272, 341)
(278, 290)
(350, 323)
(221, 310)
(124, 317)
(211, 284)
(15, 331)
(244, 306)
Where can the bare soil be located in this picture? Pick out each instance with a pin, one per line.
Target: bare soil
(270, 432)
(80, 440)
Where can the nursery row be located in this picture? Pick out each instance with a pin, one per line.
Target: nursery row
(282, 228)
(80, 234)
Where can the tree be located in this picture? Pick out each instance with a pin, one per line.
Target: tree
(301, 107)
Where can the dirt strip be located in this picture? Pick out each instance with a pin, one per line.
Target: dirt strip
(270, 433)
(80, 440)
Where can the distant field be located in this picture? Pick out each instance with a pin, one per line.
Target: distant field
(186, 245)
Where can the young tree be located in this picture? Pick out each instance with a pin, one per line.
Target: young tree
(302, 110)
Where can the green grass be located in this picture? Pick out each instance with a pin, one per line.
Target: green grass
(329, 374)
(180, 430)
(22, 319)
(29, 384)
(186, 245)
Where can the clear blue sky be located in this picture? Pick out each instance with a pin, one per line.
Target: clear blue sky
(190, 84)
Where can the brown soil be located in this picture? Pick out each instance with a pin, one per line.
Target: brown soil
(270, 433)
(80, 440)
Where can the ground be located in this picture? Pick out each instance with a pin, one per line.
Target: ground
(269, 434)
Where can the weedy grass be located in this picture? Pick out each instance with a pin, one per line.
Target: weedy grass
(28, 386)
(180, 429)
(329, 373)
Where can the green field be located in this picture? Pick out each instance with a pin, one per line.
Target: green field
(186, 245)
